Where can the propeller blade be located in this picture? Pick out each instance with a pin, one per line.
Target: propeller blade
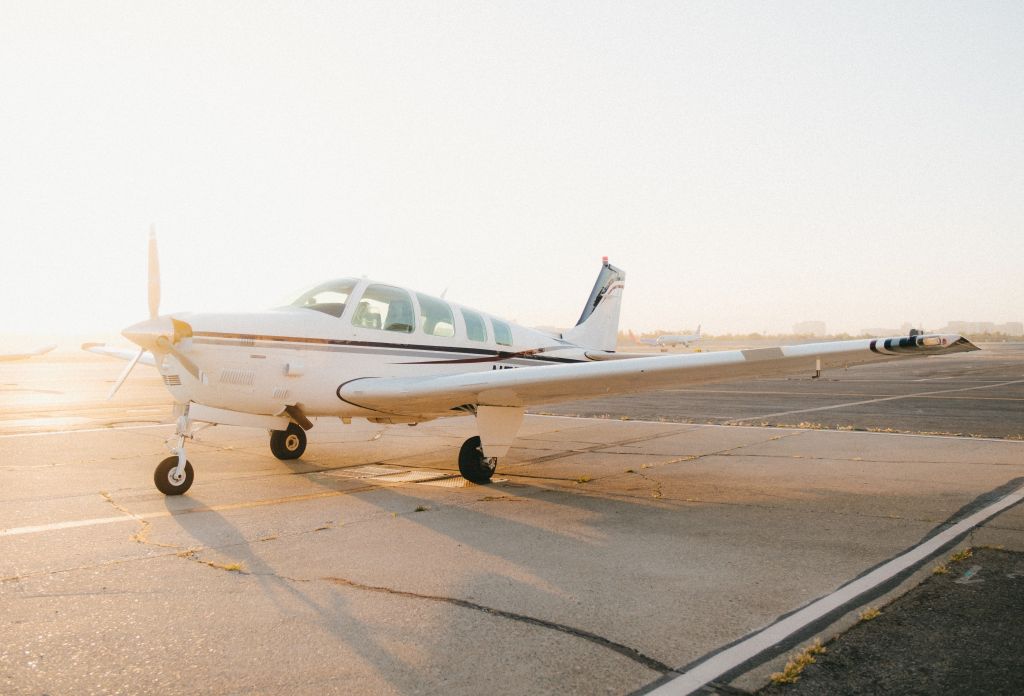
(154, 275)
(185, 361)
(124, 375)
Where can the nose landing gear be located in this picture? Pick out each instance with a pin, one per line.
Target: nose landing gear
(169, 480)
(174, 475)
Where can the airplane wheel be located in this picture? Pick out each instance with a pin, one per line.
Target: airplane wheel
(164, 478)
(288, 444)
(473, 465)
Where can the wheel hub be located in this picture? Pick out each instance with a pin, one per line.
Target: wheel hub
(291, 442)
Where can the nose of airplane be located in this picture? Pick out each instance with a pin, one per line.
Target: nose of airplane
(146, 333)
(153, 333)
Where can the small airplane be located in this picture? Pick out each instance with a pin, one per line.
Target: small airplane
(7, 357)
(672, 340)
(358, 348)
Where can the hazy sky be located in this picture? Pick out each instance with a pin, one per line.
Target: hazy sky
(749, 165)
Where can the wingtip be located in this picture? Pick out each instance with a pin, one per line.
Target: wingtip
(965, 344)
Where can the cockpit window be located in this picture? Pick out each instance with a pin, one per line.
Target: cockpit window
(329, 297)
(435, 316)
(385, 307)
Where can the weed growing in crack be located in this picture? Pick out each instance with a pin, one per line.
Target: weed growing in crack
(869, 614)
(962, 555)
(796, 664)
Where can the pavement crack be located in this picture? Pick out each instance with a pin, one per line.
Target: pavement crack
(624, 650)
(598, 447)
(192, 555)
(142, 535)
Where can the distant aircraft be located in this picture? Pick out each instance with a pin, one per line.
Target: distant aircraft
(671, 341)
(6, 357)
(358, 348)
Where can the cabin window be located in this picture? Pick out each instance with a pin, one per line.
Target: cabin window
(329, 298)
(385, 307)
(436, 317)
(502, 333)
(475, 327)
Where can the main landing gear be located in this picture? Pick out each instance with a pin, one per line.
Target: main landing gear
(288, 444)
(473, 465)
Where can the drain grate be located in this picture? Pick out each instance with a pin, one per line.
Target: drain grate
(413, 477)
(361, 472)
(452, 481)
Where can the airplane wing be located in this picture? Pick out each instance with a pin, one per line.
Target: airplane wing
(120, 353)
(530, 386)
(5, 357)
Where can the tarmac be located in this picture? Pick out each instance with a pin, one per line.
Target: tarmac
(617, 555)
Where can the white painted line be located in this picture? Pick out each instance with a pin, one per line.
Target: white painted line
(875, 401)
(780, 427)
(85, 430)
(15, 531)
(731, 658)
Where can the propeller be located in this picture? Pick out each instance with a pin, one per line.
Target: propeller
(153, 334)
(165, 344)
(124, 374)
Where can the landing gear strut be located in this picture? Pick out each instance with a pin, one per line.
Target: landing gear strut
(174, 475)
(473, 465)
(288, 444)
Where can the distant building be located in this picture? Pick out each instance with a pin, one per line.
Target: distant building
(809, 328)
(904, 330)
(1010, 328)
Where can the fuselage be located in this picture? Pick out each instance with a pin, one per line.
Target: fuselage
(344, 330)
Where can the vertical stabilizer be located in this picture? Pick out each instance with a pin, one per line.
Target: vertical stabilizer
(598, 326)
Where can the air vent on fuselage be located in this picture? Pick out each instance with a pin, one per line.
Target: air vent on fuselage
(242, 378)
(280, 393)
(172, 380)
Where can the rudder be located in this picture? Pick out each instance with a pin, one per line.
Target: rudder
(598, 326)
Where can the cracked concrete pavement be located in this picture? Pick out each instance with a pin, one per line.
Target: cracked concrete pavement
(611, 553)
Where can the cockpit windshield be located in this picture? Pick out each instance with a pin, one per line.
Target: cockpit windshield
(329, 297)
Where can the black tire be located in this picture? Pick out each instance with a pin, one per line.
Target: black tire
(162, 477)
(473, 465)
(288, 444)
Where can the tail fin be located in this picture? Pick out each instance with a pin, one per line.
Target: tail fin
(598, 326)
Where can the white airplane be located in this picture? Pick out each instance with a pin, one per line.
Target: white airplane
(357, 348)
(6, 357)
(673, 340)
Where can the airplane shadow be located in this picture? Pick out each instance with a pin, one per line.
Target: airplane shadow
(539, 568)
